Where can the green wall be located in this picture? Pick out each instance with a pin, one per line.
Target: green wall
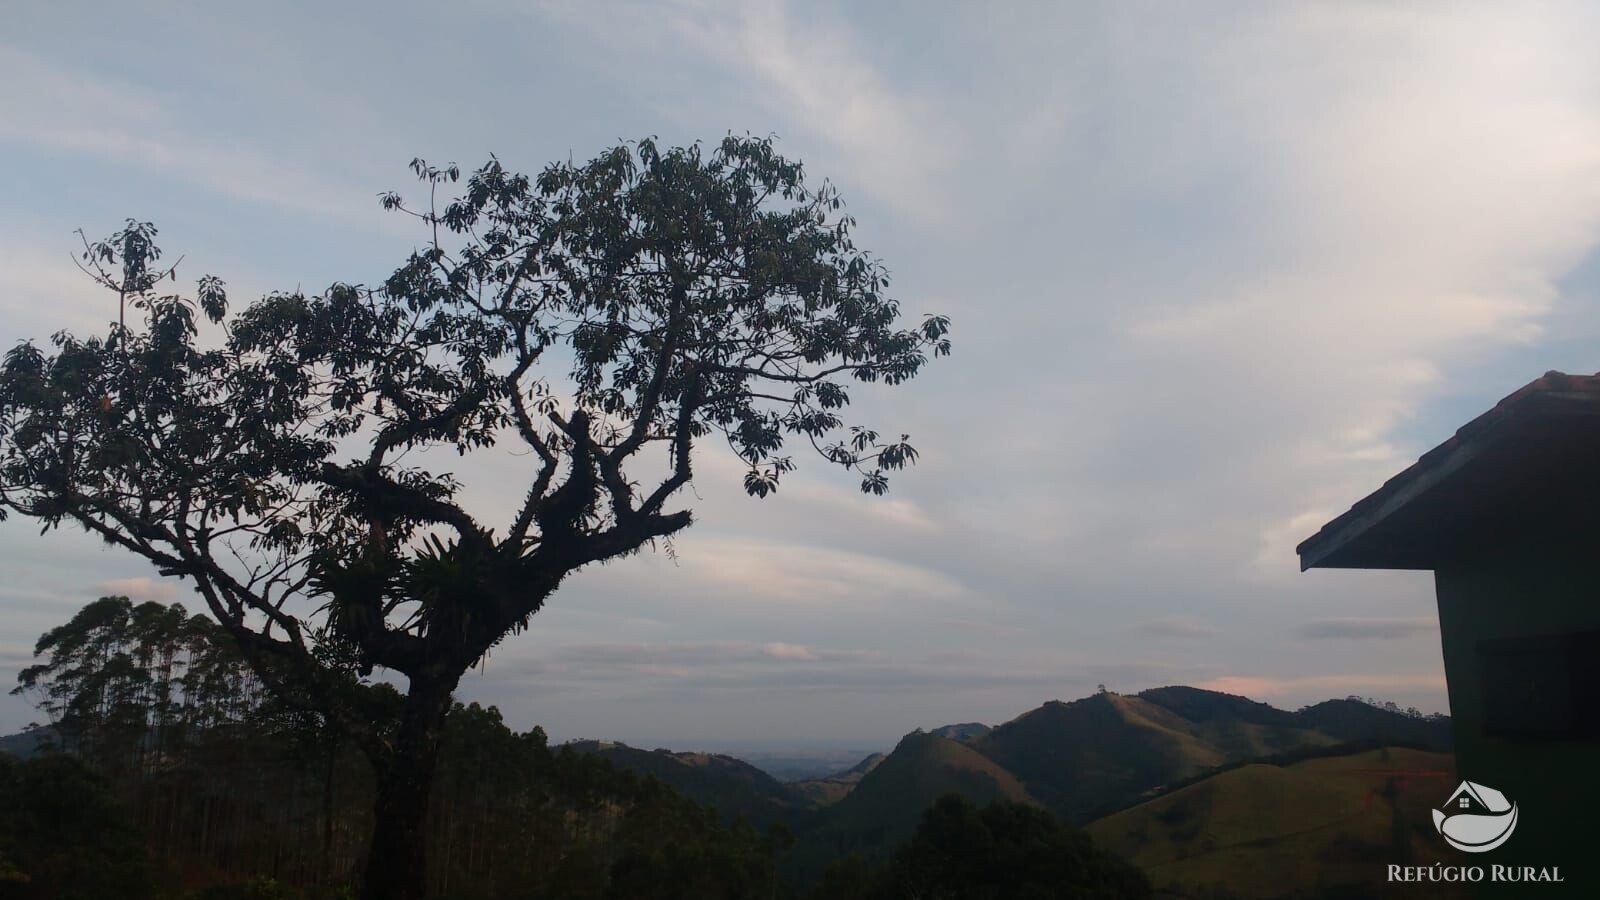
(1539, 588)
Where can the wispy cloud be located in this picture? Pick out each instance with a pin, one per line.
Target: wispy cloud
(771, 571)
(80, 113)
(813, 71)
(1361, 629)
(1265, 687)
(1214, 277)
(1176, 626)
(751, 667)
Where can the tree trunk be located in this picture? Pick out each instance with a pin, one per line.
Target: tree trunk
(327, 814)
(397, 863)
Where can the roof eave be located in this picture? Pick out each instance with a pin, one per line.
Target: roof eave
(1338, 534)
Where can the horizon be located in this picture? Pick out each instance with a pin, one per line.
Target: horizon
(759, 752)
(1252, 264)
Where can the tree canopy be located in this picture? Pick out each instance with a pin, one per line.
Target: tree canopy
(1004, 850)
(685, 292)
(604, 319)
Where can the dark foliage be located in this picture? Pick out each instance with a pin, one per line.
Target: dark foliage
(64, 835)
(1005, 851)
(227, 793)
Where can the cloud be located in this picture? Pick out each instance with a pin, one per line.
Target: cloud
(1176, 626)
(1358, 629)
(41, 292)
(810, 71)
(825, 495)
(73, 111)
(142, 589)
(1261, 687)
(796, 652)
(773, 571)
(1214, 277)
(753, 668)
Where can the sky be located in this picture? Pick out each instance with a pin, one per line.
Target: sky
(1215, 272)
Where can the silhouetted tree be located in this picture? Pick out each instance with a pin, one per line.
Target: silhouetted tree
(125, 686)
(1005, 850)
(283, 468)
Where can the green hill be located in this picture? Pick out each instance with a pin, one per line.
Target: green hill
(1262, 831)
(1088, 757)
(1239, 727)
(1081, 756)
(1080, 761)
(1356, 720)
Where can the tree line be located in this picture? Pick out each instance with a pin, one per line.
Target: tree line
(221, 787)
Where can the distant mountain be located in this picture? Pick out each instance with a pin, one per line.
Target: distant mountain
(1081, 760)
(866, 765)
(832, 788)
(963, 732)
(789, 766)
(25, 744)
(733, 786)
(1311, 828)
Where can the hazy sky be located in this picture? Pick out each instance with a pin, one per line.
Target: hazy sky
(1215, 271)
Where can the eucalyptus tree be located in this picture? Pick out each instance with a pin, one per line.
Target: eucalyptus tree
(126, 686)
(608, 319)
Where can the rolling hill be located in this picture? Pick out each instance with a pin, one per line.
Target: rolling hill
(1081, 760)
(1354, 720)
(1243, 728)
(1091, 756)
(1085, 759)
(1314, 827)
(1081, 756)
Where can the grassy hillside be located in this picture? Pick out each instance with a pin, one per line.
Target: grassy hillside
(1078, 757)
(1085, 758)
(1238, 727)
(1264, 831)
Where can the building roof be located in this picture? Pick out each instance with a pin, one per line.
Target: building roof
(1529, 465)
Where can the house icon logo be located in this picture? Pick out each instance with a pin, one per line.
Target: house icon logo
(1476, 818)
